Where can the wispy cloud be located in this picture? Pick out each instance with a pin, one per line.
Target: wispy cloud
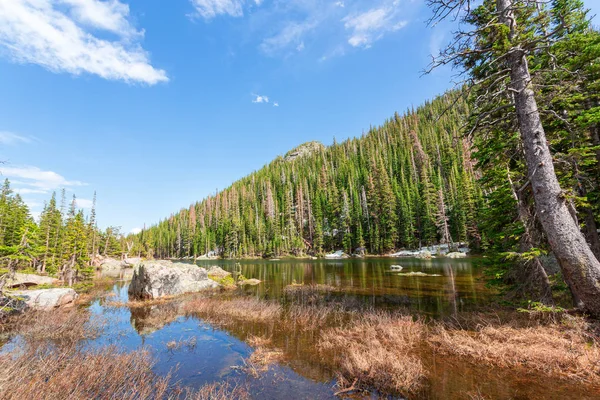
(370, 26)
(291, 34)
(35, 180)
(275, 104)
(84, 203)
(209, 9)
(260, 99)
(60, 35)
(9, 138)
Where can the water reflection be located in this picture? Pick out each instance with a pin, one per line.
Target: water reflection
(447, 286)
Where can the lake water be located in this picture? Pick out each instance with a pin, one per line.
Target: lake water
(209, 353)
(450, 285)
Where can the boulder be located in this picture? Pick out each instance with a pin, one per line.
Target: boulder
(456, 254)
(218, 272)
(110, 264)
(152, 280)
(29, 280)
(131, 262)
(47, 299)
(424, 254)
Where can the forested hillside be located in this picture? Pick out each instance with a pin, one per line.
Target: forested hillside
(408, 183)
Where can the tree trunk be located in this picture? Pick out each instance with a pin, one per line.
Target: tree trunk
(580, 268)
(534, 272)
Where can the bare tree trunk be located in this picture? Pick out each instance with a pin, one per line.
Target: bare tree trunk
(581, 269)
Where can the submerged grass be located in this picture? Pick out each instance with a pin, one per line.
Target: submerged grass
(376, 350)
(565, 347)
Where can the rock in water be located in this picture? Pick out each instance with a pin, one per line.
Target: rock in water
(152, 280)
(218, 272)
(425, 254)
(47, 299)
(456, 254)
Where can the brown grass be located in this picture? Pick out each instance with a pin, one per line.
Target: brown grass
(218, 391)
(65, 326)
(376, 351)
(566, 348)
(47, 373)
(226, 311)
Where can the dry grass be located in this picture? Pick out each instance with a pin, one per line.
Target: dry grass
(261, 359)
(107, 373)
(189, 344)
(218, 391)
(566, 348)
(227, 311)
(377, 351)
(51, 373)
(65, 326)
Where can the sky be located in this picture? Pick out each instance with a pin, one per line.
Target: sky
(155, 104)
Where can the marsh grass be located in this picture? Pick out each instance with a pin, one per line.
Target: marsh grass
(564, 347)
(378, 350)
(64, 326)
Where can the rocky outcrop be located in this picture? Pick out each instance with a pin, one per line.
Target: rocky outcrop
(152, 280)
(19, 280)
(46, 299)
(304, 150)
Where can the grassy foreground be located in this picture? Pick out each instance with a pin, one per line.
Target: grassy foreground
(377, 351)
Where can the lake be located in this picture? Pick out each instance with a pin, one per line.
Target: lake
(196, 352)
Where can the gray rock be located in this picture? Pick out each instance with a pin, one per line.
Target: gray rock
(218, 272)
(110, 264)
(303, 150)
(424, 254)
(155, 279)
(29, 280)
(47, 299)
(131, 262)
(456, 254)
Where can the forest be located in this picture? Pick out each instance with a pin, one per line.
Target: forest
(406, 184)
(62, 242)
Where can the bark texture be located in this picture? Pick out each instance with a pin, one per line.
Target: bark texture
(580, 267)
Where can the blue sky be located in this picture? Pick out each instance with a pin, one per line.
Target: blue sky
(156, 104)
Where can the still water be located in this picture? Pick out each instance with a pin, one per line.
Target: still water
(446, 286)
(207, 353)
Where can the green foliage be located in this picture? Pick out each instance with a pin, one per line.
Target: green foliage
(382, 191)
(61, 244)
(537, 307)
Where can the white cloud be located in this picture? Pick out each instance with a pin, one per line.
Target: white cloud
(370, 26)
(60, 36)
(135, 231)
(84, 203)
(209, 9)
(340, 4)
(10, 138)
(30, 191)
(275, 104)
(37, 180)
(291, 34)
(260, 99)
